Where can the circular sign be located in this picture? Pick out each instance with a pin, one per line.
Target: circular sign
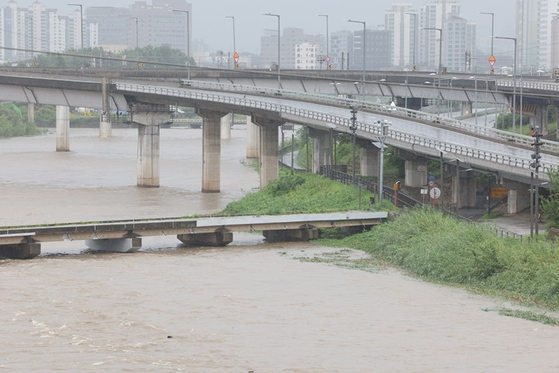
(431, 183)
(435, 193)
(327, 59)
(431, 177)
(421, 168)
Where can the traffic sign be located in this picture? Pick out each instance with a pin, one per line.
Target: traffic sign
(327, 59)
(431, 183)
(431, 177)
(492, 60)
(435, 193)
(236, 57)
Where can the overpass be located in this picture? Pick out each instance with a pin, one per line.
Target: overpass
(419, 135)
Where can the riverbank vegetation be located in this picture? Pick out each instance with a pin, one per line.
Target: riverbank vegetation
(13, 121)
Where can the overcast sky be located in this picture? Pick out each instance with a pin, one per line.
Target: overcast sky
(211, 25)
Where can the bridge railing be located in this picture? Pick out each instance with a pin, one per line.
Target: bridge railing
(529, 85)
(374, 129)
(376, 107)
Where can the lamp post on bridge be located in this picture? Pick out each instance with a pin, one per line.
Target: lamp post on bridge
(514, 82)
(136, 20)
(279, 47)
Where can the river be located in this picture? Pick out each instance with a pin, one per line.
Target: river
(251, 306)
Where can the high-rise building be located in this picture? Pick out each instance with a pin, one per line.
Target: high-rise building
(401, 21)
(460, 41)
(377, 45)
(433, 16)
(288, 41)
(534, 32)
(341, 45)
(306, 56)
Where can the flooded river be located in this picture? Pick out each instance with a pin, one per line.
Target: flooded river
(250, 306)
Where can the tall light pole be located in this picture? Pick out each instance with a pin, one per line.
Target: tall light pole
(440, 30)
(187, 31)
(363, 49)
(492, 27)
(514, 79)
(136, 20)
(234, 41)
(279, 47)
(81, 22)
(414, 36)
(327, 40)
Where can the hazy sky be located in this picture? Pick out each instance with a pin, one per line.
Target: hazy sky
(211, 25)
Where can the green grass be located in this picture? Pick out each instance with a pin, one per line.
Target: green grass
(302, 193)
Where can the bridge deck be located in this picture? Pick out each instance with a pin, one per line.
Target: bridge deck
(166, 227)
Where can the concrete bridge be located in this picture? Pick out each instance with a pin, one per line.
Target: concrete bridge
(126, 236)
(315, 103)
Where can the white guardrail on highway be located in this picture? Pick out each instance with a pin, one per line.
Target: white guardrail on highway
(252, 101)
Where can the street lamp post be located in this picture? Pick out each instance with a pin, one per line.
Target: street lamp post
(492, 27)
(327, 41)
(81, 23)
(514, 79)
(363, 49)
(440, 30)
(279, 47)
(187, 32)
(234, 41)
(136, 20)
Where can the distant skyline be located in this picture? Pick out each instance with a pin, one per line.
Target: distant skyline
(209, 22)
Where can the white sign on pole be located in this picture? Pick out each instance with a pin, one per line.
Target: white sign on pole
(435, 193)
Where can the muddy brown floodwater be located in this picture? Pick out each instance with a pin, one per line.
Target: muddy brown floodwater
(249, 306)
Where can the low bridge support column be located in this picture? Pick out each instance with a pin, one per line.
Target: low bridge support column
(369, 158)
(322, 149)
(149, 119)
(117, 245)
(211, 149)
(467, 189)
(269, 136)
(415, 169)
(253, 139)
(62, 128)
(20, 251)
(467, 108)
(518, 196)
(226, 127)
(221, 238)
(105, 125)
(31, 113)
(556, 107)
(541, 118)
(304, 234)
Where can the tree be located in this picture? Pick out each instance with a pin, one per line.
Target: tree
(550, 205)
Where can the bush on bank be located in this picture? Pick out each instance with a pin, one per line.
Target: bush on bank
(301, 193)
(12, 122)
(445, 250)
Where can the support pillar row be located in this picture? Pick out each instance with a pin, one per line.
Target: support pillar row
(149, 119)
(269, 136)
(211, 149)
(253, 139)
(62, 128)
(105, 125)
(322, 149)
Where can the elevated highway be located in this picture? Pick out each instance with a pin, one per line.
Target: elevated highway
(314, 102)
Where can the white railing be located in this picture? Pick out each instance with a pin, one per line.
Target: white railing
(375, 107)
(374, 129)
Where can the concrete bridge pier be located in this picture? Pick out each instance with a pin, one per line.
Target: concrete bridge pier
(369, 158)
(211, 149)
(105, 125)
(149, 119)
(118, 245)
(322, 148)
(31, 113)
(62, 128)
(465, 186)
(415, 169)
(269, 137)
(297, 235)
(220, 238)
(226, 127)
(20, 251)
(518, 196)
(541, 118)
(253, 139)
(467, 108)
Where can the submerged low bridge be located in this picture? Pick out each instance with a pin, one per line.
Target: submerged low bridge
(126, 236)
